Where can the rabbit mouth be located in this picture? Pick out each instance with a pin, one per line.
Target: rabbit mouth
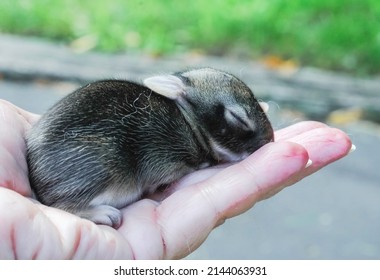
(224, 155)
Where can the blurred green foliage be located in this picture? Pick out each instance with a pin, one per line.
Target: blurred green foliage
(340, 35)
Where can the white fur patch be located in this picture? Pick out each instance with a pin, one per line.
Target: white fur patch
(167, 85)
(226, 154)
(264, 106)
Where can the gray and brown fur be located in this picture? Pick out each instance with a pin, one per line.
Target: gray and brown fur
(110, 142)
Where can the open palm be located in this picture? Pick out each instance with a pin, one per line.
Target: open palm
(168, 225)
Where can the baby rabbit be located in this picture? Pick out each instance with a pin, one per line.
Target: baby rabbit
(110, 142)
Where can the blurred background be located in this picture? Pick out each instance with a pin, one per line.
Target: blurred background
(333, 34)
(316, 59)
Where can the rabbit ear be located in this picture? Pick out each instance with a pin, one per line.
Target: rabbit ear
(264, 106)
(169, 86)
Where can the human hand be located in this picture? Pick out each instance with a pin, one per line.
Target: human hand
(168, 225)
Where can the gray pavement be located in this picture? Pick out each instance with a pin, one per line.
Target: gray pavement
(333, 214)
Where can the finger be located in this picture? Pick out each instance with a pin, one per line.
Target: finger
(32, 231)
(324, 145)
(294, 130)
(13, 167)
(29, 117)
(13, 174)
(17, 217)
(187, 216)
(142, 230)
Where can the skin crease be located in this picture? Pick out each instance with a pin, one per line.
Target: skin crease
(168, 225)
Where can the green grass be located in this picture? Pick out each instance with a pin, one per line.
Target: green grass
(341, 35)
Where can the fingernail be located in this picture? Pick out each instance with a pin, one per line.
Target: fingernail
(309, 162)
(353, 148)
